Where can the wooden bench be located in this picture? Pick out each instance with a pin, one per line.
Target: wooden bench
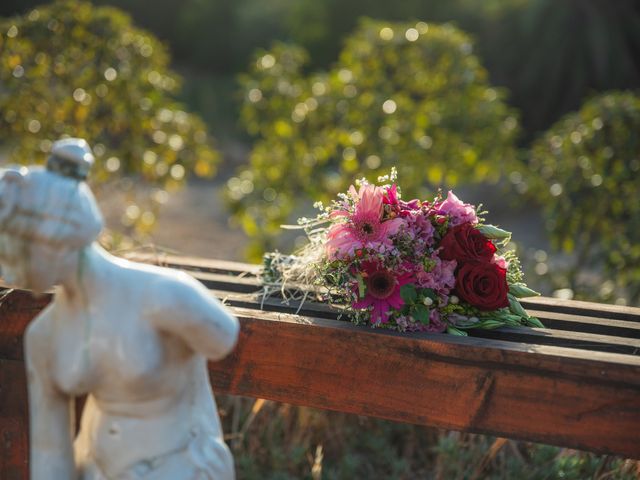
(575, 384)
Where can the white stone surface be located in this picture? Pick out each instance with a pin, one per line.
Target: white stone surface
(132, 337)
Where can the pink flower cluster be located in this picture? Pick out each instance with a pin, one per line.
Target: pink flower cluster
(387, 256)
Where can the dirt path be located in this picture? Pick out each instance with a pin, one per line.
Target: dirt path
(195, 222)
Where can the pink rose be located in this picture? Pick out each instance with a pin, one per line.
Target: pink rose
(500, 261)
(458, 211)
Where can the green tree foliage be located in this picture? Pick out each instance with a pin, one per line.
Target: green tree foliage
(587, 176)
(74, 69)
(551, 55)
(402, 94)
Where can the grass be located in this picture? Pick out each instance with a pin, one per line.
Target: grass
(274, 441)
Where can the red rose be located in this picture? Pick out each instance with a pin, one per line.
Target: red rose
(483, 285)
(464, 243)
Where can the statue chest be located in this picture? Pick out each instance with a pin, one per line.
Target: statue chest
(107, 354)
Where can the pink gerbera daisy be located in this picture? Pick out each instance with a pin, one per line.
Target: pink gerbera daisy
(382, 290)
(364, 227)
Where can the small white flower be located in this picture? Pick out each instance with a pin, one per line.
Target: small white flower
(427, 301)
(453, 300)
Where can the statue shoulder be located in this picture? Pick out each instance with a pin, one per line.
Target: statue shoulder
(168, 283)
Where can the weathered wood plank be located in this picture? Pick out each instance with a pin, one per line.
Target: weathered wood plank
(598, 325)
(196, 264)
(558, 321)
(586, 310)
(616, 312)
(588, 365)
(577, 320)
(562, 338)
(607, 340)
(538, 303)
(456, 384)
(19, 307)
(14, 421)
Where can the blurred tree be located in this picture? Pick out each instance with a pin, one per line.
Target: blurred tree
(320, 26)
(74, 69)
(587, 175)
(551, 55)
(408, 95)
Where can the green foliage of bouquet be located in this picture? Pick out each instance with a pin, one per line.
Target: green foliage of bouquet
(587, 175)
(401, 93)
(70, 68)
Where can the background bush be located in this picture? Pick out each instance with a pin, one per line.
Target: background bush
(409, 95)
(551, 55)
(585, 171)
(74, 69)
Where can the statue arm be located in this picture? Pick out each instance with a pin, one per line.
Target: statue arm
(189, 311)
(50, 414)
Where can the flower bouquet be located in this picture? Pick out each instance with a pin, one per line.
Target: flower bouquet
(406, 265)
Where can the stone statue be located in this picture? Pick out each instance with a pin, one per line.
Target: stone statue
(134, 338)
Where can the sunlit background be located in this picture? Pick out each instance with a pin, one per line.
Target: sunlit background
(214, 122)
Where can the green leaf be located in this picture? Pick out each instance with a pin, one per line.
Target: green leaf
(520, 290)
(454, 331)
(488, 324)
(408, 293)
(421, 313)
(534, 322)
(513, 320)
(428, 292)
(493, 232)
(516, 308)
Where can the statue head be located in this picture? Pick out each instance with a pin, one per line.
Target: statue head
(46, 216)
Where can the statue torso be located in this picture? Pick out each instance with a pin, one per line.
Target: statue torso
(149, 395)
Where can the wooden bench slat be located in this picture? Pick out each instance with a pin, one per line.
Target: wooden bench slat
(562, 338)
(629, 365)
(16, 311)
(602, 326)
(535, 303)
(14, 421)
(229, 282)
(598, 325)
(547, 336)
(616, 312)
(449, 382)
(558, 321)
(195, 264)
(625, 317)
(569, 339)
(587, 323)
